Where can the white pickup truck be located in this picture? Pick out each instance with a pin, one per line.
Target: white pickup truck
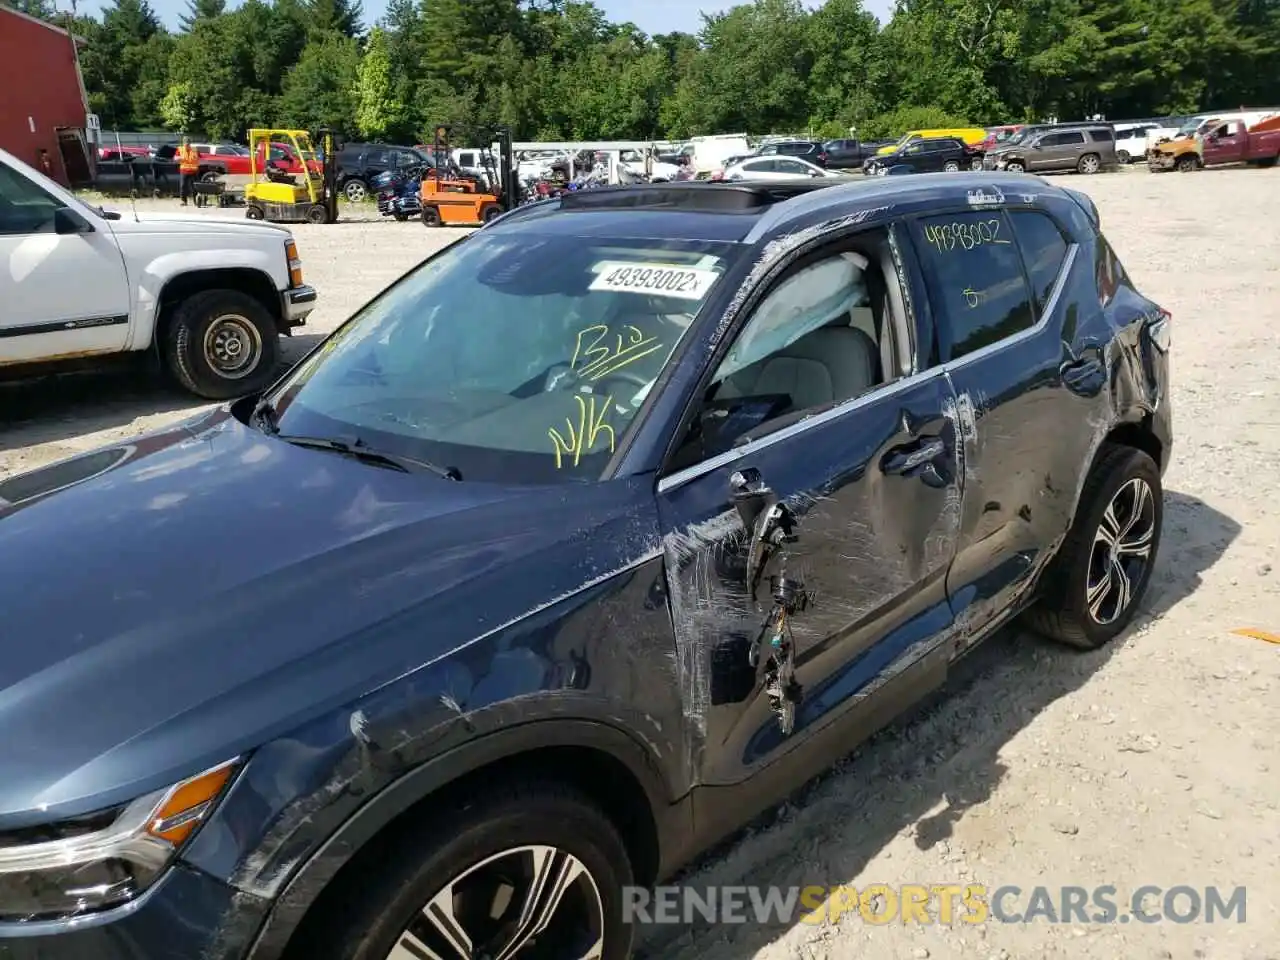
(210, 296)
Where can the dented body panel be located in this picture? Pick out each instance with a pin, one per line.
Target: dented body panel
(377, 636)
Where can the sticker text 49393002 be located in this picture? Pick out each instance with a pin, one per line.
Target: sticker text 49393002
(654, 279)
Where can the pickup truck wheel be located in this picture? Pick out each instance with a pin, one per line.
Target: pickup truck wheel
(222, 344)
(1096, 581)
(1187, 163)
(528, 869)
(1089, 163)
(355, 190)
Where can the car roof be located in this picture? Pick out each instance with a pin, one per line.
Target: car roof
(747, 212)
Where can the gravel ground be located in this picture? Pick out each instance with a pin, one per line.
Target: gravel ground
(1153, 762)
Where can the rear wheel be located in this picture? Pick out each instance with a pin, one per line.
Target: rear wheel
(490, 211)
(254, 212)
(431, 217)
(1123, 156)
(532, 870)
(222, 344)
(1094, 585)
(1089, 163)
(951, 166)
(317, 213)
(976, 164)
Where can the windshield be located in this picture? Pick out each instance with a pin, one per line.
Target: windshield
(512, 358)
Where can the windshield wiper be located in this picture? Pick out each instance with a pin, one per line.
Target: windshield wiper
(357, 448)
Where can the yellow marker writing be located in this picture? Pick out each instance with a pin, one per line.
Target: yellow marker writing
(599, 359)
(585, 432)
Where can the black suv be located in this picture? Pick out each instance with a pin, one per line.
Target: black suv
(359, 163)
(811, 150)
(934, 155)
(592, 537)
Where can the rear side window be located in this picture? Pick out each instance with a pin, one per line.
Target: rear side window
(976, 284)
(1102, 135)
(1044, 249)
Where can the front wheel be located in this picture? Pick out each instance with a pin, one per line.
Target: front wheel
(490, 211)
(317, 213)
(254, 212)
(1187, 163)
(222, 344)
(1014, 166)
(355, 191)
(1094, 585)
(431, 217)
(532, 870)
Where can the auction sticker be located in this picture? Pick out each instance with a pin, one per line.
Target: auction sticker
(657, 279)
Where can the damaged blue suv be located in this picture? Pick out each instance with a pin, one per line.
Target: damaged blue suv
(589, 539)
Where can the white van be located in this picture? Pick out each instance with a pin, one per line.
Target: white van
(709, 153)
(1131, 140)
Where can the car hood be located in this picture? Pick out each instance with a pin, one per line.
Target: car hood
(176, 223)
(193, 593)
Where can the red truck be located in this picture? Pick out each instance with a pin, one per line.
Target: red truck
(233, 159)
(1221, 141)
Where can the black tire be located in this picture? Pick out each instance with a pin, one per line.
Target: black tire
(1122, 156)
(431, 217)
(490, 211)
(317, 213)
(355, 190)
(193, 345)
(1187, 163)
(1063, 612)
(400, 217)
(1015, 166)
(951, 166)
(392, 880)
(254, 212)
(1089, 164)
(976, 164)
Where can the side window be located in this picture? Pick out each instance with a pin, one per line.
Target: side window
(820, 336)
(1043, 247)
(24, 207)
(1051, 140)
(761, 166)
(977, 287)
(791, 166)
(1102, 135)
(915, 148)
(1075, 136)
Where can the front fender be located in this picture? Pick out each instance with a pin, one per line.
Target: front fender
(149, 281)
(311, 877)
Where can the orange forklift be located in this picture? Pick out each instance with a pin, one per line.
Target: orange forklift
(451, 200)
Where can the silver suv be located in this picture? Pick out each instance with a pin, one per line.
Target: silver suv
(1085, 149)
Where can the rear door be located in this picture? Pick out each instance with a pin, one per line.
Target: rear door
(808, 428)
(1003, 304)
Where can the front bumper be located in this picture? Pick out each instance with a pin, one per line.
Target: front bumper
(298, 302)
(187, 915)
(1159, 160)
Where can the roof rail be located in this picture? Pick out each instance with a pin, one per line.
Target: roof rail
(705, 196)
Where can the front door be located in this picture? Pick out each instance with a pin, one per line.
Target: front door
(60, 294)
(1225, 144)
(810, 515)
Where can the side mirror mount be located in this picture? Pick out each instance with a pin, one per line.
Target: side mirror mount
(66, 221)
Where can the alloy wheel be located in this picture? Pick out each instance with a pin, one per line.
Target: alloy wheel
(355, 191)
(232, 346)
(526, 903)
(952, 167)
(1121, 551)
(1089, 164)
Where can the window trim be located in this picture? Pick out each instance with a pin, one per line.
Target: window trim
(58, 203)
(671, 481)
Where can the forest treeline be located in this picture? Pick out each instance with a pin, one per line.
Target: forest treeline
(560, 70)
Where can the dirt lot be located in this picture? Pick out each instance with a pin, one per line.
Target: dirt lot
(1154, 762)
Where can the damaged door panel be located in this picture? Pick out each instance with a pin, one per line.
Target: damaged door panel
(828, 542)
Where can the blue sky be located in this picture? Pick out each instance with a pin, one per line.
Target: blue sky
(651, 16)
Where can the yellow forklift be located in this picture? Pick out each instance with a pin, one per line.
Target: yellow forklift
(291, 181)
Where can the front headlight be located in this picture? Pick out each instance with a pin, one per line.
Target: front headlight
(295, 263)
(105, 859)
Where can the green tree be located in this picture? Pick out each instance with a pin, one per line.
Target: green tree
(319, 90)
(378, 111)
(201, 10)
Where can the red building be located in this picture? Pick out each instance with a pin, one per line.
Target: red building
(41, 90)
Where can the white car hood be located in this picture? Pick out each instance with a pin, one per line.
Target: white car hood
(176, 223)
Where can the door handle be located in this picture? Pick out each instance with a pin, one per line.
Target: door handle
(910, 457)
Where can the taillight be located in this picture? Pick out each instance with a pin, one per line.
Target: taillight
(822, 158)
